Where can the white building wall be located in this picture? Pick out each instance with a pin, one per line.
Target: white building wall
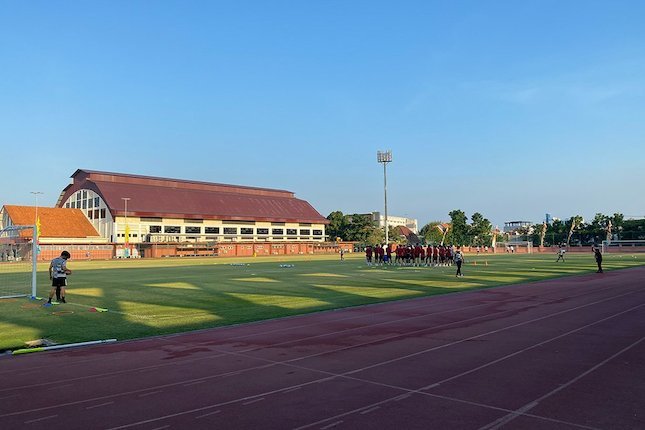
(394, 221)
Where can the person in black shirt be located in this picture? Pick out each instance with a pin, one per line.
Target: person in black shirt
(598, 256)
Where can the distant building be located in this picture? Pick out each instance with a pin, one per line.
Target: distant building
(513, 226)
(548, 218)
(393, 221)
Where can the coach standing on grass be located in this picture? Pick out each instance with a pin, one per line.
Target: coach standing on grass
(598, 256)
(459, 259)
(58, 272)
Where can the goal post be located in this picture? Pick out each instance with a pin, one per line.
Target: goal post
(626, 246)
(18, 262)
(522, 247)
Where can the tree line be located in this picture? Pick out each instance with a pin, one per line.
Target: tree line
(479, 230)
(575, 231)
(361, 228)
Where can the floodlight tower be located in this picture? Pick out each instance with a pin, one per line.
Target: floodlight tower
(385, 157)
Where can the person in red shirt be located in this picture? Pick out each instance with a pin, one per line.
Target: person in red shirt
(388, 252)
(379, 254)
(442, 255)
(368, 255)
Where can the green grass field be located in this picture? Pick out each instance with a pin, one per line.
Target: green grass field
(153, 297)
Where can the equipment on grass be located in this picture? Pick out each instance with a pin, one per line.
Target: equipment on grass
(69, 345)
(18, 261)
(626, 246)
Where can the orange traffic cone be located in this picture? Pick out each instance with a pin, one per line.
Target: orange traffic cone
(475, 262)
(487, 262)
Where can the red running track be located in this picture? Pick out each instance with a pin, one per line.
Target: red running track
(560, 354)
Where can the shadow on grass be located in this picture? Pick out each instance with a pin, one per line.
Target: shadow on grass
(159, 297)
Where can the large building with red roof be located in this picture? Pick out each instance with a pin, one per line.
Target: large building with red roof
(143, 209)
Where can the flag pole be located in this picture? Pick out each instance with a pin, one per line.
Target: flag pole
(35, 247)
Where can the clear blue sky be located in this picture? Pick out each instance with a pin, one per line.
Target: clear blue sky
(509, 108)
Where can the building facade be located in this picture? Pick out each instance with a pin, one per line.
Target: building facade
(514, 226)
(394, 221)
(126, 208)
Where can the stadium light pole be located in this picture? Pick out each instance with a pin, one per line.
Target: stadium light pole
(385, 157)
(125, 201)
(34, 249)
(36, 194)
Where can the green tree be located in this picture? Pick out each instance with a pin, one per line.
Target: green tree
(338, 224)
(558, 232)
(480, 230)
(632, 229)
(458, 234)
(431, 233)
(359, 228)
(597, 228)
(618, 221)
(375, 236)
(537, 233)
(395, 236)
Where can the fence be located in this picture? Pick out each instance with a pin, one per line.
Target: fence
(209, 249)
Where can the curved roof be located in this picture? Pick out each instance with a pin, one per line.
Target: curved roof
(173, 198)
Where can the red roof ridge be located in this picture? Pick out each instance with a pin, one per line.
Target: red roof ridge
(99, 178)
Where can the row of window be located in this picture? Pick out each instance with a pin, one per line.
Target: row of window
(96, 214)
(83, 204)
(232, 230)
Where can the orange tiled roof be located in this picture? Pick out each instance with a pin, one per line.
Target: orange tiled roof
(54, 222)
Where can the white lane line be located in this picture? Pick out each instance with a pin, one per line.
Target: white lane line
(41, 419)
(208, 414)
(291, 390)
(161, 428)
(149, 394)
(271, 363)
(272, 391)
(367, 411)
(401, 397)
(424, 304)
(253, 401)
(495, 425)
(435, 348)
(100, 405)
(528, 348)
(346, 374)
(220, 354)
(510, 417)
(331, 425)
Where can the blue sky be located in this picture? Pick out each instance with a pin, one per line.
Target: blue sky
(512, 109)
